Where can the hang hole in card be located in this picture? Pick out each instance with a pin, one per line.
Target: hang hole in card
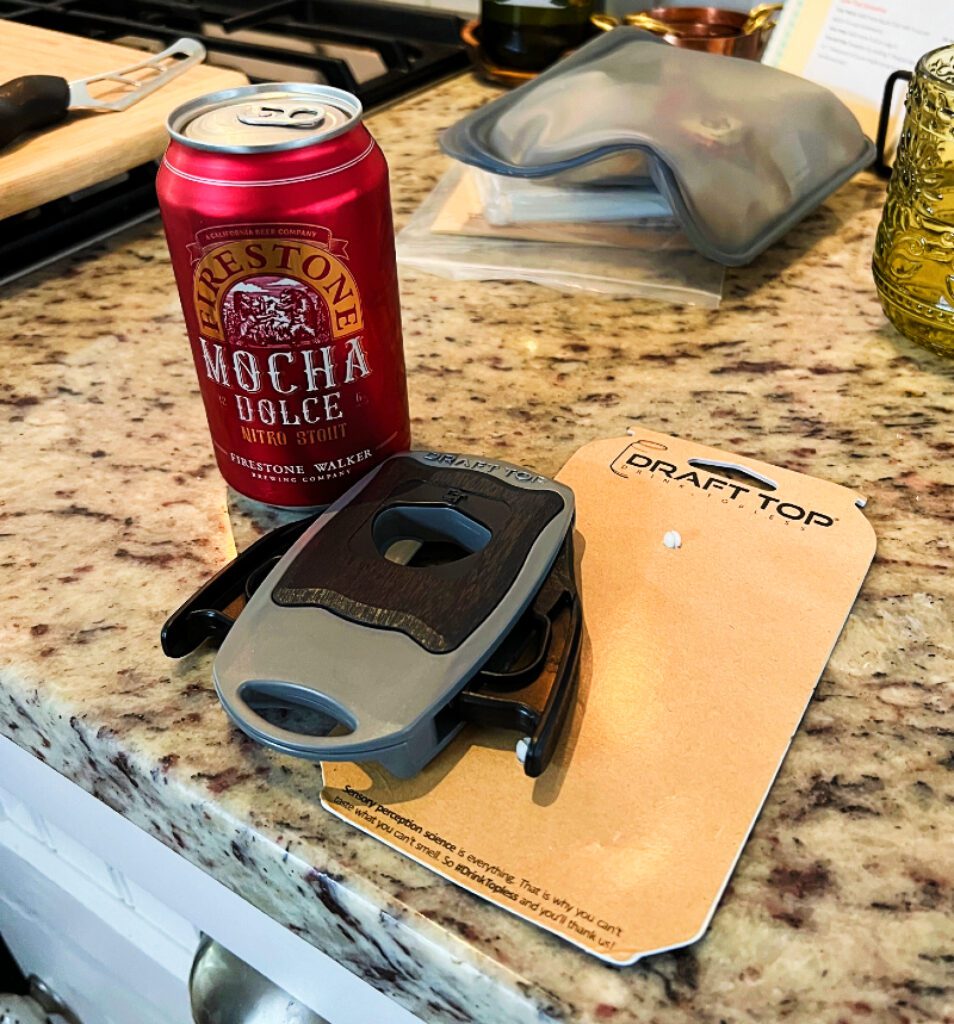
(733, 471)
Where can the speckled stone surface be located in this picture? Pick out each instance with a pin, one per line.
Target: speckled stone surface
(842, 907)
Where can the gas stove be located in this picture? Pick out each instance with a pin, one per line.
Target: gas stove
(377, 51)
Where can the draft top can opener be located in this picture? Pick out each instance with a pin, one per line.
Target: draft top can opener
(439, 590)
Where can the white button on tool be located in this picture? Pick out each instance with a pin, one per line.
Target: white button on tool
(672, 539)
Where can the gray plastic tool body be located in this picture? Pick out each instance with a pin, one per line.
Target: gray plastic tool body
(379, 682)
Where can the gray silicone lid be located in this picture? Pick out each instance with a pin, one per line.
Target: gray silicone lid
(741, 151)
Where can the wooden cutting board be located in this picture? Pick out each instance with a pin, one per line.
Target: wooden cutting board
(88, 147)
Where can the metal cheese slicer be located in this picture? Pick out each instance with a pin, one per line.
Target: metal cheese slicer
(440, 590)
(36, 101)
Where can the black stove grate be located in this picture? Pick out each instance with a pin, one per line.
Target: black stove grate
(412, 46)
(377, 51)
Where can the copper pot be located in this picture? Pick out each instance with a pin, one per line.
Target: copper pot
(713, 29)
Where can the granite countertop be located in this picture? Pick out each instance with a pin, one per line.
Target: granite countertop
(111, 510)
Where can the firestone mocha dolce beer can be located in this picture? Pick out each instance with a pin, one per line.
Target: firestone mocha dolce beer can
(277, 213)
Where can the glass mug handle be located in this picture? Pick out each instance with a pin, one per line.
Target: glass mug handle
(880, 167)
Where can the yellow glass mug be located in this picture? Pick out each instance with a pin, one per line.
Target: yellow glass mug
(913, 262)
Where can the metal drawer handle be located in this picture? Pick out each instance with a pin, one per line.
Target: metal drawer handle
(36, 1007)
(50, 1001)
(226, 990)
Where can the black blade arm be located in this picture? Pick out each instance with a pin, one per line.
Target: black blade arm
(203, 616)
(504, 694)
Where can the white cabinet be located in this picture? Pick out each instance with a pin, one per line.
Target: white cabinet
(110, 918)
(106, 947)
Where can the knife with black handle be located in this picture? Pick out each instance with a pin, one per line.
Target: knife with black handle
(37, 101)
(31, 102)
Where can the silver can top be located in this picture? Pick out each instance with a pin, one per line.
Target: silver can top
(265, 118)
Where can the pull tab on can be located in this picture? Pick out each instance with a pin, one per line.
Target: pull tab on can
(284, 115)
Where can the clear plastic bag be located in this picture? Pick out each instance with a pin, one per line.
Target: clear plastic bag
(528, 200)
(662, 268)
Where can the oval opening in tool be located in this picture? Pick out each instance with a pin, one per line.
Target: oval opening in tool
(422, 535)
(733, 471)
(296, 709)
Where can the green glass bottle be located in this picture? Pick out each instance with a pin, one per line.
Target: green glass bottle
(529, 35)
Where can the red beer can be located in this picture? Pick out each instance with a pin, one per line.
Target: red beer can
(277, 212)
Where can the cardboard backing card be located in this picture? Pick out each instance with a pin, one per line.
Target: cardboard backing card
(698, 662)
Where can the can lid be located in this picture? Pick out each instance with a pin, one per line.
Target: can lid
(264, 118)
